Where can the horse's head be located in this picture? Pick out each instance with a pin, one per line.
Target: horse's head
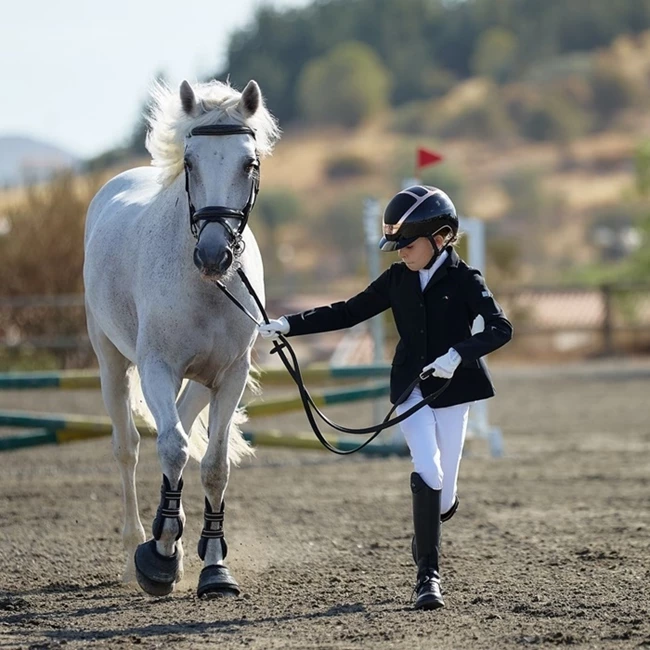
(222, 178)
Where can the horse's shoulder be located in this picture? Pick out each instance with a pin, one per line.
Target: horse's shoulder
(137, 185)
(122, 196)
(137, 179)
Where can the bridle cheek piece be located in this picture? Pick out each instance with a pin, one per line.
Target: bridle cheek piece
(199, 219)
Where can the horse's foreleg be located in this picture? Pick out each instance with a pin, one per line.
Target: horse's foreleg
(159, 561)
(192, 400)
(215, 579)
(126, 439)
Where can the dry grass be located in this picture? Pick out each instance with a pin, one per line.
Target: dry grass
(582, 191)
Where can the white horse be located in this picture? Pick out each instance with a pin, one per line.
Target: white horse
(151, 262)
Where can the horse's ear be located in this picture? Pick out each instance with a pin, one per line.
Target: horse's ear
(251, 98)
(188, 99)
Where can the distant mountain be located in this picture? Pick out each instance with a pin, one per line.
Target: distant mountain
(25, 159)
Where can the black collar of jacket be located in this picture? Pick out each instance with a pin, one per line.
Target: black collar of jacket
(452, 261)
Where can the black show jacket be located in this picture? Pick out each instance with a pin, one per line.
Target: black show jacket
(429, 322)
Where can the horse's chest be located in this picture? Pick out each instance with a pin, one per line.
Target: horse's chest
(209, 366)
(214, 345)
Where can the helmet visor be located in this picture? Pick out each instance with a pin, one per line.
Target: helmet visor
(387, 245)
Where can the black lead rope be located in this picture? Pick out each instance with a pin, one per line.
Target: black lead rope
(293, 368)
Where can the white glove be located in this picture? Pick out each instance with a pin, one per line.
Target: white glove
(275, 327)
(443, 367)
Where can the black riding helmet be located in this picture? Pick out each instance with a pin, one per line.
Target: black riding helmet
(418, 211)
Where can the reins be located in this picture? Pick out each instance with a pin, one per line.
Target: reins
(293, 368)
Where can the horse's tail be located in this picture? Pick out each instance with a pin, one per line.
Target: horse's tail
(238, 447)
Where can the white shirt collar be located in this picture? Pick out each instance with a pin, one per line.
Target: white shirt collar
(426, 274)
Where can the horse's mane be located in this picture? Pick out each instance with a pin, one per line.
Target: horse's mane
(169, 123)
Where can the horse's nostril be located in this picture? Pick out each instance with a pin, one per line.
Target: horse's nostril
(214, 263)
(198, 260)
(226, 260)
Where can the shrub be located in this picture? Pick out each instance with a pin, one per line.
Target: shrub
(612, 91)
(524, 188)
(495, 54)
(504, 257)
(340, 228)
(554, 118)
(488, 120)
(42, 254)
(347, 166)
(346, 86)
(43, 251)
(275, 206)
(416, 118)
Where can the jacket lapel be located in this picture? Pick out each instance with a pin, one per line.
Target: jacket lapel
(452, 260)
(414, 283)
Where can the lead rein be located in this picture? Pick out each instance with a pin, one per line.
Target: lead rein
(308, 402)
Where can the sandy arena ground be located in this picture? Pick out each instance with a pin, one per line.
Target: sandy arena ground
(551, 545)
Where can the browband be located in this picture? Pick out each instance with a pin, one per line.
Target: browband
(222, 129)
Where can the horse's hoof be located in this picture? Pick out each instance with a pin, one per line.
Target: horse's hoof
(216, 581)
(156, 573)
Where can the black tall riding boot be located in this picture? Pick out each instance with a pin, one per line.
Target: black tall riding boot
(426, 522)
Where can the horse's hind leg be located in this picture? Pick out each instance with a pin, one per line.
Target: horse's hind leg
(113, 368)
(215, 579)
(158, 562)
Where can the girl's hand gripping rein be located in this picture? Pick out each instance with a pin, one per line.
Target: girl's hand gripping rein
(443, 367)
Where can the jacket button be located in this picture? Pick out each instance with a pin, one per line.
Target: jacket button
(422, 358)
(421, 331)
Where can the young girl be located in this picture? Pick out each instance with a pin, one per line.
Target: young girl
(435, 298)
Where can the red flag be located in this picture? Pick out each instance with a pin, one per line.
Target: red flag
(427, 157)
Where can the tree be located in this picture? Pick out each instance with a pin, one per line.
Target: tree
(555, 118)
(345, 86)
(415, 38)
(273, 208)
(612, 91)
(495, 54)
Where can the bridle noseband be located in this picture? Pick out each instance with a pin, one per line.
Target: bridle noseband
(218, 213)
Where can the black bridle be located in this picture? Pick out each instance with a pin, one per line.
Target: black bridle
(219, 213)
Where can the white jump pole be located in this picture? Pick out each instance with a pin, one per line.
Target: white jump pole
(479, 424)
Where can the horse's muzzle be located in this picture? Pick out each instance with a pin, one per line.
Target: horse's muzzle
(212, 264)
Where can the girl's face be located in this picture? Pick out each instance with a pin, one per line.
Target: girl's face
(418, 254)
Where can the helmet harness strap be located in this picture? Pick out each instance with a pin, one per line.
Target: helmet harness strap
(437, 251)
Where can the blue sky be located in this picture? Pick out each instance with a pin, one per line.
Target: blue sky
(75, 72)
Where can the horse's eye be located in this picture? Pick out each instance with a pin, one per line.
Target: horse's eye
(252, 166)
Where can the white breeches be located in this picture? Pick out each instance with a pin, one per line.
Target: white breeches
(435, 438)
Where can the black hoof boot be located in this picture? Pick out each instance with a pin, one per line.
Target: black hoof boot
(156, 573)
(216, 581)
